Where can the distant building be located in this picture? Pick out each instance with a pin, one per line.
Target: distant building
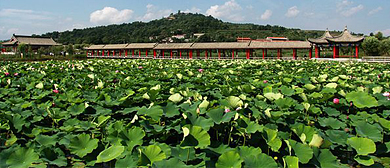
(34, 42)
(268, 39)
(277, 38)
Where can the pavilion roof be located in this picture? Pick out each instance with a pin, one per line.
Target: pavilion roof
(115, 46)
(140, 46)
(167, 46)
(96, 47)
(40, 41)
(280, 45)
(346, 37)
(220, 45)
(322, 39)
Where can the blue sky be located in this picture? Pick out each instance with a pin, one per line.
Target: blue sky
(40, 16)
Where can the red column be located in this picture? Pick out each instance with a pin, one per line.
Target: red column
(113, 53)
(219, 54)
(139, 53)
(146, 53)
(154, 54)
(310, 53)
(103, 52)
(295, 53)
(264, 53)
(205, 54)
(232, 54)
(334, 52)
(126, 52)
(357, 51)
(87, 52)
(317, 52)
(162, 53)
(132, 52)
(247, 54)
(279, 53)
(180, 53)
(190, 54)
(120, 52)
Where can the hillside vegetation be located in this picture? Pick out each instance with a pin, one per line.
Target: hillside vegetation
(176, 24)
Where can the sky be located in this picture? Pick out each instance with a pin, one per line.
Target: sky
(26, 17)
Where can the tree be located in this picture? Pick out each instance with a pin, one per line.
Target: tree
(379, 35)
(371, 46)
(385, 46)
(22, 48)
(69, 49)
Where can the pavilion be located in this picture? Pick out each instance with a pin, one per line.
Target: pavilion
(34, 42)
(345, 39)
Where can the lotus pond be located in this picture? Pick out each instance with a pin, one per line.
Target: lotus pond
(201, 113)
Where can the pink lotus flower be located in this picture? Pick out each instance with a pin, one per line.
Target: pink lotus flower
(200, 70)
(336, 101)
(346, 129)
(16, 74)
(386, 94)
(116, 71)
(347, 117)
(140, 67)
(6, 74)
(55, 91)
(227, 110)
(265, 81)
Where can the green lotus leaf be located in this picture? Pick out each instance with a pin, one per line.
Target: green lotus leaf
(154, 112)
(39, 85)
(175, 98)
(364, 160)
(331, 122)
(291, 162)
(54, 156)
(46, 140)
(310, 87)
(82, 144)
(151, 154)
(170, 163)
(272, 140)
(287, 91)
(133, 137)
(22, 158)
(303, 151)
(327, 159)
(202, 122)
(384, 123)
(337, 136)
(368, 130)
(260, 161)
(285, 103)
(273, 96)
(183, 154)
(234, 102)
(197, 137)
(331, 85)
(362, 99)
(110, 153)
(304, 131)
(363, 146)
(246, 151)
(219, 116)
(127, 162)
(316, 141)
(76, 109)
(11, 140)
(204, 104)
(171, 110)
(229, 159)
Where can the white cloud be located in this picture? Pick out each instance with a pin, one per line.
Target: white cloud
(25, 14)
(152, 12)
(343, 4)
(192, 10)
(292, 12)
(109, 15)
(230, 10)
(266, 15)
(386, 32)
(376, 10)
(352, 11)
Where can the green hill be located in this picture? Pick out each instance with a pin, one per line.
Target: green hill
(180, 23)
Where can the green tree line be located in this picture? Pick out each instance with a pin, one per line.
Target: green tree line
(376, 45)
(179, 23)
